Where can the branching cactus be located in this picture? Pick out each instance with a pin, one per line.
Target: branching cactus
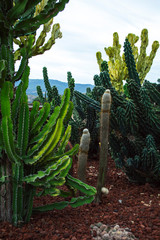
(83, 155)
(104, 138)
(40, 45)
(134, 124)
(117, 65)
(32, 144)
(38, 159)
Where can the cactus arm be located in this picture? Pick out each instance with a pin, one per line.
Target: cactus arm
(83, 187)
(75, 202)
(23, 129)
(130, 62)
(55, 33)
(92, 103)
(34, 113)
(64, 140)
(69, 112)
(22, 66)
(20, 8)
(7, 125)
(69, 153)
(40, 95)
(47, 84)
(48, 126)
(59, 112)
(53, 170)
(48, 145)
(43, 115)
(2, 71)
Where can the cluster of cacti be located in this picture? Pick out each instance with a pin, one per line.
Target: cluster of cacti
(117, 66)
(32, 143)
(134, 124)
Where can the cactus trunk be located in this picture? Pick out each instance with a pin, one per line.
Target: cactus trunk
(5, 190)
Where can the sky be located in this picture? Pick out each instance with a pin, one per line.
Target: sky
(87, 26)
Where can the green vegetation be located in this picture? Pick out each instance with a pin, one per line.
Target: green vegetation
(32, 144)
(117, 66)
(134, 123)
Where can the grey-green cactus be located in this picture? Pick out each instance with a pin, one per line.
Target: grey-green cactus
(83, 155)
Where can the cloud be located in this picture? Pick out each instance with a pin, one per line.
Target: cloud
(88, 27)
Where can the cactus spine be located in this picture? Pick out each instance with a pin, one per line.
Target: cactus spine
(104, 135)
(83, 155)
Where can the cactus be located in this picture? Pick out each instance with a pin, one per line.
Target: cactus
(134, 125)
(53, 96)
(117, 65)
(39, 46)
(39, 159)
(83, 155)
(32, 144)
(71, 84)
(104, 135)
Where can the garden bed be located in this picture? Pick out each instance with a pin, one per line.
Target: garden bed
(128, 205)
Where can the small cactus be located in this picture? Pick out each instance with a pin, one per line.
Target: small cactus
(83, 155)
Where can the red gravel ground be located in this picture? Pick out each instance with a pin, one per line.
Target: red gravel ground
(139, 210)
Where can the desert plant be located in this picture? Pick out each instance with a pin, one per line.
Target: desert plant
(104, 136)
(51, 95)
(83, 155)
(32, 144)
(40, 45)
(134, 124)
(35, 148)
(117, 65)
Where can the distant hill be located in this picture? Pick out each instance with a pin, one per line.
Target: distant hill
(33, 83)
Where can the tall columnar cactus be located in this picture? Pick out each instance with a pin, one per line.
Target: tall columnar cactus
(32, 143)
(83, 155)
(104, 136)
(117, 65)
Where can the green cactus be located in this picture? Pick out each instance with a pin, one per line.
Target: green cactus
(71, 84)
(39, 158)
(53, 96)
(32, 144)
(117, 65)
(134, 125)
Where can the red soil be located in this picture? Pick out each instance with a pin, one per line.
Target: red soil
(139, 210)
